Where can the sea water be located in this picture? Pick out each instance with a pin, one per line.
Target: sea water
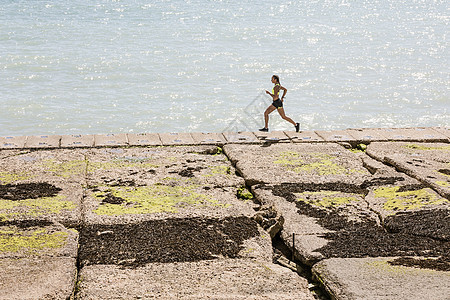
(111, 66)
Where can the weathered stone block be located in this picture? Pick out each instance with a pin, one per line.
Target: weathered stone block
(43, 141)
(37, 278)
(378, 278)
(173, 139)
(212, 279)
(145, 183)
(12, 142)
(241, 137)
(304, 136)
(272, 137)
(367, 135)
(444, 131)
(44, 165)
(413, 134)
(208, 138)
(144, 139)
(36, 238)
(110, 140)
(336, 135)
(77, 141)
(427, 162)
(314, 163)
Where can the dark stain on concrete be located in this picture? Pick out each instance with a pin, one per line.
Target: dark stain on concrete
(165, 241)
(421, 233)
(23, 191)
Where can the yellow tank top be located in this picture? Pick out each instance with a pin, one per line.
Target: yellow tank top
(273, 90)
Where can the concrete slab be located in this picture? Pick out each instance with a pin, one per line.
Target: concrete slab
(401, 197)
(201, 138)
(77, 141)
(43, 141)
(376, 278)
(140, 183)
(53, 165)
(367, 135)
(110, 140)
(197, 164)
(336, 135)
(57, 201)
(144, 139)
(8, 153)
(37, 278)
(443, 130)
(12, 142)
(306, 210)
(211, 279)
(173, 139)
(413, 134)
(427, 162)
(124, 204)
(241, 137)
(173, 239)
(303, 136)
(37, 238)
(307, 232)
(272, 137)
(300, 163)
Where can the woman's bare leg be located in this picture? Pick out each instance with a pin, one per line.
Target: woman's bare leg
(281, 112)
(270, 109)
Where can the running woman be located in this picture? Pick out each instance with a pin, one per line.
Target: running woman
(277, 104)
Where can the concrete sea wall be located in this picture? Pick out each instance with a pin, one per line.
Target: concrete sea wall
(363, 135)
(351, 214)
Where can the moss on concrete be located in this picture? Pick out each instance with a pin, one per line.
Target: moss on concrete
(443, 183)
(408, 200)
(9, 209)
(328, 199)
(65, 169)
(323, 164)
(387, 267)
(153, 199)
(9, 177)
(219, 170)
(12, 240)
(427, 148)
(244, 194)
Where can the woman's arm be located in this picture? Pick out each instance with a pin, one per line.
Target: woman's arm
(284, 92)
(267, 92)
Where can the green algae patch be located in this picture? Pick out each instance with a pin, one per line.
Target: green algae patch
(244, 194)
(322, 164)
(65, 169)
(443, 183)
(360, 148)
(328, 199)
(30, 241)
(151, 199)
(408, 200)
(427, 148)
(390, 266)
(8, 177)
(9, 209)
(220, 170)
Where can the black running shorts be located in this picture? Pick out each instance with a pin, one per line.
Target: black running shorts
(278, 103)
